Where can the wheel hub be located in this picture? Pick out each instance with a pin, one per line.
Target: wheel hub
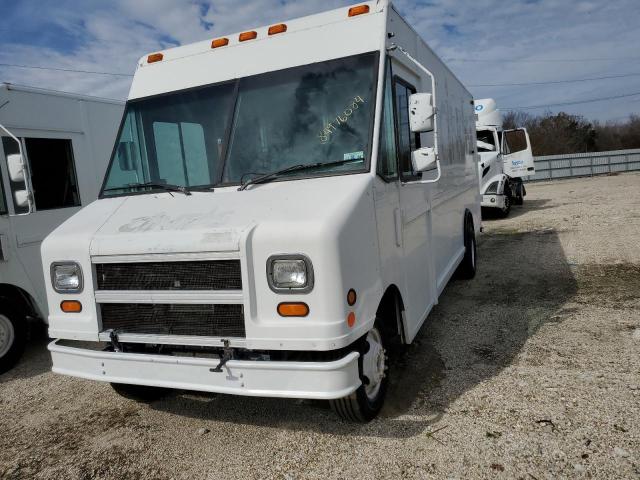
(7, 335)
(374, 364)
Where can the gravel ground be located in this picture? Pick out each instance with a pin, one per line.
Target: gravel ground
(531, 371)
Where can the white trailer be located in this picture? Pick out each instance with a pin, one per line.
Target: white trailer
(505, 158)
(54, 151)
(282, 205)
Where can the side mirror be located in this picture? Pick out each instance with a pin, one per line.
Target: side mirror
(126, 158)
(423, 159)
(16, 167)
(21, 198)
(421, 112)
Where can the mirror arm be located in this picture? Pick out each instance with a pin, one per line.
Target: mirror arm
(395, 46)
(432, 180)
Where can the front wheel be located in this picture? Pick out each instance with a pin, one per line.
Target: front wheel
(467, 268)
(520, 193)
(366, 402)
(13, 337)
(504, 211)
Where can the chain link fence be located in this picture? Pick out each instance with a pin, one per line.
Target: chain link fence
(585, 164)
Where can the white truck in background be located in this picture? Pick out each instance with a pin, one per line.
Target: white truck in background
(505, 158)
(282, 205)
(54, 150)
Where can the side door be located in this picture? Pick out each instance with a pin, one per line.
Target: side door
(517, 156)
(53, 182)
(415, 217)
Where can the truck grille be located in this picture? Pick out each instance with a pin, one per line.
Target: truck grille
(191, 275)
(174, 319)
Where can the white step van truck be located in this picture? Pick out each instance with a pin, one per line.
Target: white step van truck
(505, 157)
(54, 151)
(282, 205)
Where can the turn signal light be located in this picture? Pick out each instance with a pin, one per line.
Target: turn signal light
(220, 42)
(351, 319)
(293, 309)
(279, 28)
(71, 306)
(244, 36)
(155, 57)
(359, 10)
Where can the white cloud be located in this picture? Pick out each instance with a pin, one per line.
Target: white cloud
(102, 36)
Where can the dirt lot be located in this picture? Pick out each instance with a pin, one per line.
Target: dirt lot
(531, 370)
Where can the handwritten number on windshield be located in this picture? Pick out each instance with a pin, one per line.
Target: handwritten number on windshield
(331, 127)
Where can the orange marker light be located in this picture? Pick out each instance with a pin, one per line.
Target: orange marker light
(359, 10)
(351, 319)
(244, 36)
(220, 42)
(279, 28)
(293, 309)
(351, 297)
(71, 306)
(155, 57)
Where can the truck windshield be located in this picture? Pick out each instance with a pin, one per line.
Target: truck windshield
(486, 141)
(227, 133)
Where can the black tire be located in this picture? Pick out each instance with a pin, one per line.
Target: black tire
(520, 193)
(468, 266)
(13, 331)
(504, 211)
(139, 393)
(518, 200)
(358, 407)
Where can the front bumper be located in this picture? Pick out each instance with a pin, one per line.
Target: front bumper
(313, 380)
(493, 201)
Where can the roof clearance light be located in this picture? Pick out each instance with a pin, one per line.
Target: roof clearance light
(154, 57)
(359, 10)
(244, 36)
(279, 28)
(219, 42)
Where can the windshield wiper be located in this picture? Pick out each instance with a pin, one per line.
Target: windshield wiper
(296, 168)
(168, 187)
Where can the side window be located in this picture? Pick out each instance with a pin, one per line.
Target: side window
(387, 161)
(407, 141)
(514, 141)
(53, 173)
(10, 147)
(129, 164)
(181, 153)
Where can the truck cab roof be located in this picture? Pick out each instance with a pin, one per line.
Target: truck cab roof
(315, 38)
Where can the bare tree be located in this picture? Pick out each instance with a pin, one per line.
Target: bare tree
(565, 133)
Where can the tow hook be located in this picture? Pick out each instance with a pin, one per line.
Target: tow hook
(115, 344)
(227, 354)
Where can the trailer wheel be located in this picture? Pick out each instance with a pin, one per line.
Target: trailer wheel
(139, 393)
(468, 266)
(13, 337)
(366, 402)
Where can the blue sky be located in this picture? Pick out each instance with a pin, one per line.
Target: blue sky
(483, 41)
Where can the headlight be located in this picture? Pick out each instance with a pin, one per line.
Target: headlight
(492, 189)
(290, 274)
(66, 277)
